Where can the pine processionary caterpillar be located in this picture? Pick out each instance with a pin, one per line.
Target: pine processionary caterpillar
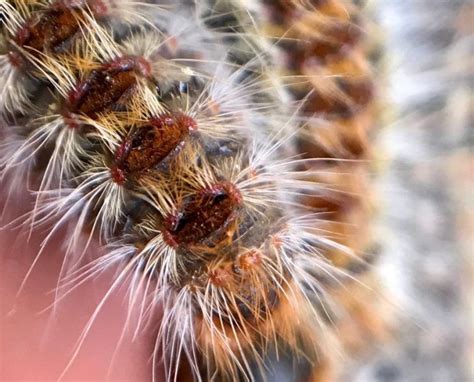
(221, 154)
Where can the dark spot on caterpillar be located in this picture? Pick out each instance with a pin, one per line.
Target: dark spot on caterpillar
(360, 92)
(350, 147)
(317, 103)
(101, 90)
(118, 175)
(330, 207)
(109, 87)
(49, 29)
(339, 35)
(150, 144)
(202, 214)
(277, 10)
(357, 95)
(338, 41)
(329, 106)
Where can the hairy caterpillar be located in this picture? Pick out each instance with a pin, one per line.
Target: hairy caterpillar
(162, 132)
(140, 146)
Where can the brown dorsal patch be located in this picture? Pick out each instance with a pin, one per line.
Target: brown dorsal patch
(108, 87)
(209, 210)
(100, 91)
(148, 145)
(49, 29)
(339, 38)
(358, 94)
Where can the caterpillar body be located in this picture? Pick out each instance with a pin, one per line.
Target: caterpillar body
(222, 161)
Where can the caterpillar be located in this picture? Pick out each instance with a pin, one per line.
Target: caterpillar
(221, 153)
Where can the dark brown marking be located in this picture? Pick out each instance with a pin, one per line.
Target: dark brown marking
(100, 91)
(339, 36)
(353, 148)
(150, 144)
(339, 40)
(202, 214)
(283, 11)
(277, 10)
(108, 87)
(118, 175)
(49, 29)
(358, 93)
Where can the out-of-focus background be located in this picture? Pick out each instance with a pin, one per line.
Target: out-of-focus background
(427, 192)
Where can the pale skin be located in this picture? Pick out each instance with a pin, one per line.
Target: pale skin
(37, 346)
